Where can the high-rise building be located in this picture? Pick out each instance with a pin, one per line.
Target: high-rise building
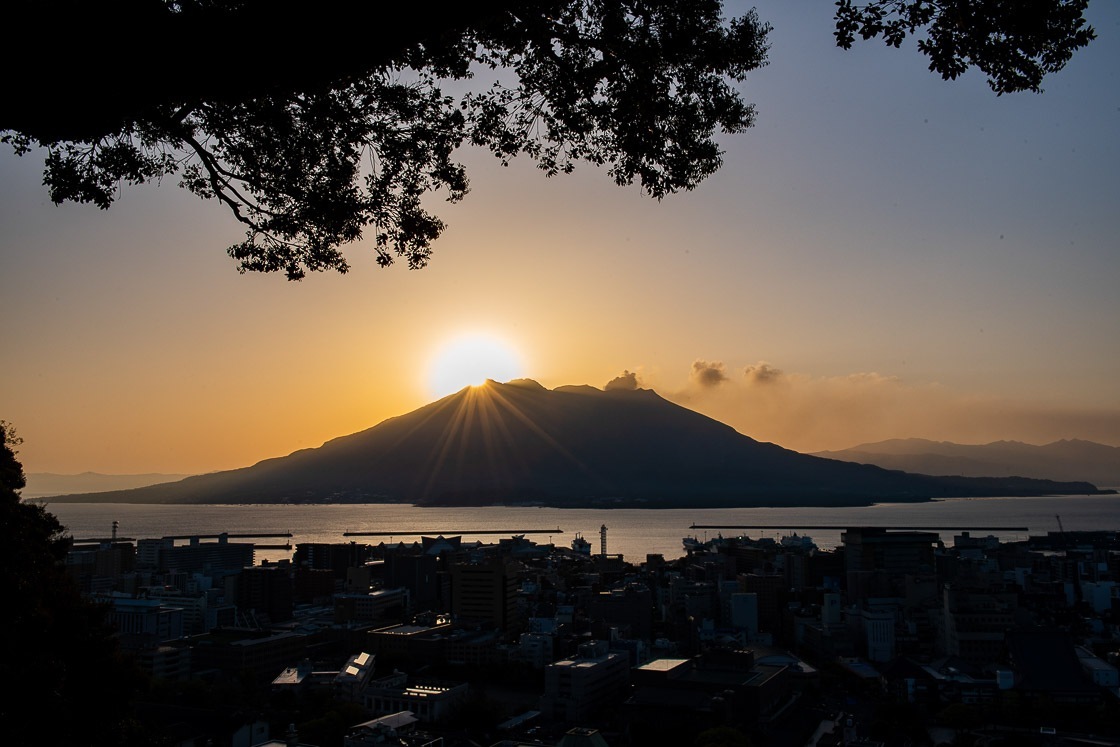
(877, 561)
(896, 553)
(263, 589)
(419, 573)
(630, 608)
(771, 591)
(744, 613)
(485, 592)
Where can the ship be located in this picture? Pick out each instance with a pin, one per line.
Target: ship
(798, 540)
(580, 545)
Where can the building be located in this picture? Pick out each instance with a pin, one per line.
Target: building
(195, 607)
(334, 557)
(385, 730)
(206, 556)
(743, 613)
(374, 606)
(485, 592)
(1099, 671)
(1046, 665)
(870, 550)
(166, 662)
(352, 680)
(420, 574)
(101, 568)
(771, 594)
(475, 648)
(675, 698)
(878, 629)
(313, 585)
(575, 688)
(535, 649)
(427, 701)
(144, 623)
(263, 591)
(409, 644)
(629, 609)
(975, 623)
(250, 653)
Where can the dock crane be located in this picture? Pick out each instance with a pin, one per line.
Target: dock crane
(1062, 531)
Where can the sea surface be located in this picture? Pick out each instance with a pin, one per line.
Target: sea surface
(631, 532)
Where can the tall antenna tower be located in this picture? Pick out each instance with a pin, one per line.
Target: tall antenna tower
(603, 540)
(116, 525)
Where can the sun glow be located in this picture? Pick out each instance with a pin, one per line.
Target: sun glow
(469, 360)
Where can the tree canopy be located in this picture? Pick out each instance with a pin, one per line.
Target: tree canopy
(314, 136)
(74, 683)
(1014, 42)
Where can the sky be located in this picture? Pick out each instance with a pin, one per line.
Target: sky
(883, 255)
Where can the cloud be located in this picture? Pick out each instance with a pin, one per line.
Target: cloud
(627, 381)
(708, 375)
(816, 413)
(762, 373)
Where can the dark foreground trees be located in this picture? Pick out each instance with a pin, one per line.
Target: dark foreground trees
(316, 126)
(69, 684)
(1015, 43)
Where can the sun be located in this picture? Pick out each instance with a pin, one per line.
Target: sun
(469, 360)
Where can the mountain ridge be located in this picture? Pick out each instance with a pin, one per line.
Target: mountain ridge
(46, 484)
(1058, 460)
(519, 442)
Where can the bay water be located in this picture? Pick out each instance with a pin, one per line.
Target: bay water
(631, 532)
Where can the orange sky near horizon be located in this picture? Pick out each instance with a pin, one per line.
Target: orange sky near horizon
(885, 255)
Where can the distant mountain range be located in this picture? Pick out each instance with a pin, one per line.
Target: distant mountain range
(519, 443)
(1061, 460)
(43, 484)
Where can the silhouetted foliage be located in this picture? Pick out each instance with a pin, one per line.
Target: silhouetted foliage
(71, 686)
(313, 137)
(12, 479)
(1014, 42)
(331, 151)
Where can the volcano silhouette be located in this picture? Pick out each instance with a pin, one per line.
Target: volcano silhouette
(520, 443)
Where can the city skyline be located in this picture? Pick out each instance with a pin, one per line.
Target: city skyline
(885, 254)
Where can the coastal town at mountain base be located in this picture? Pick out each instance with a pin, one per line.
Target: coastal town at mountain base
(893, 638)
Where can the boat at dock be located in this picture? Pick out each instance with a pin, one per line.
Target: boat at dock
(796, 540)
